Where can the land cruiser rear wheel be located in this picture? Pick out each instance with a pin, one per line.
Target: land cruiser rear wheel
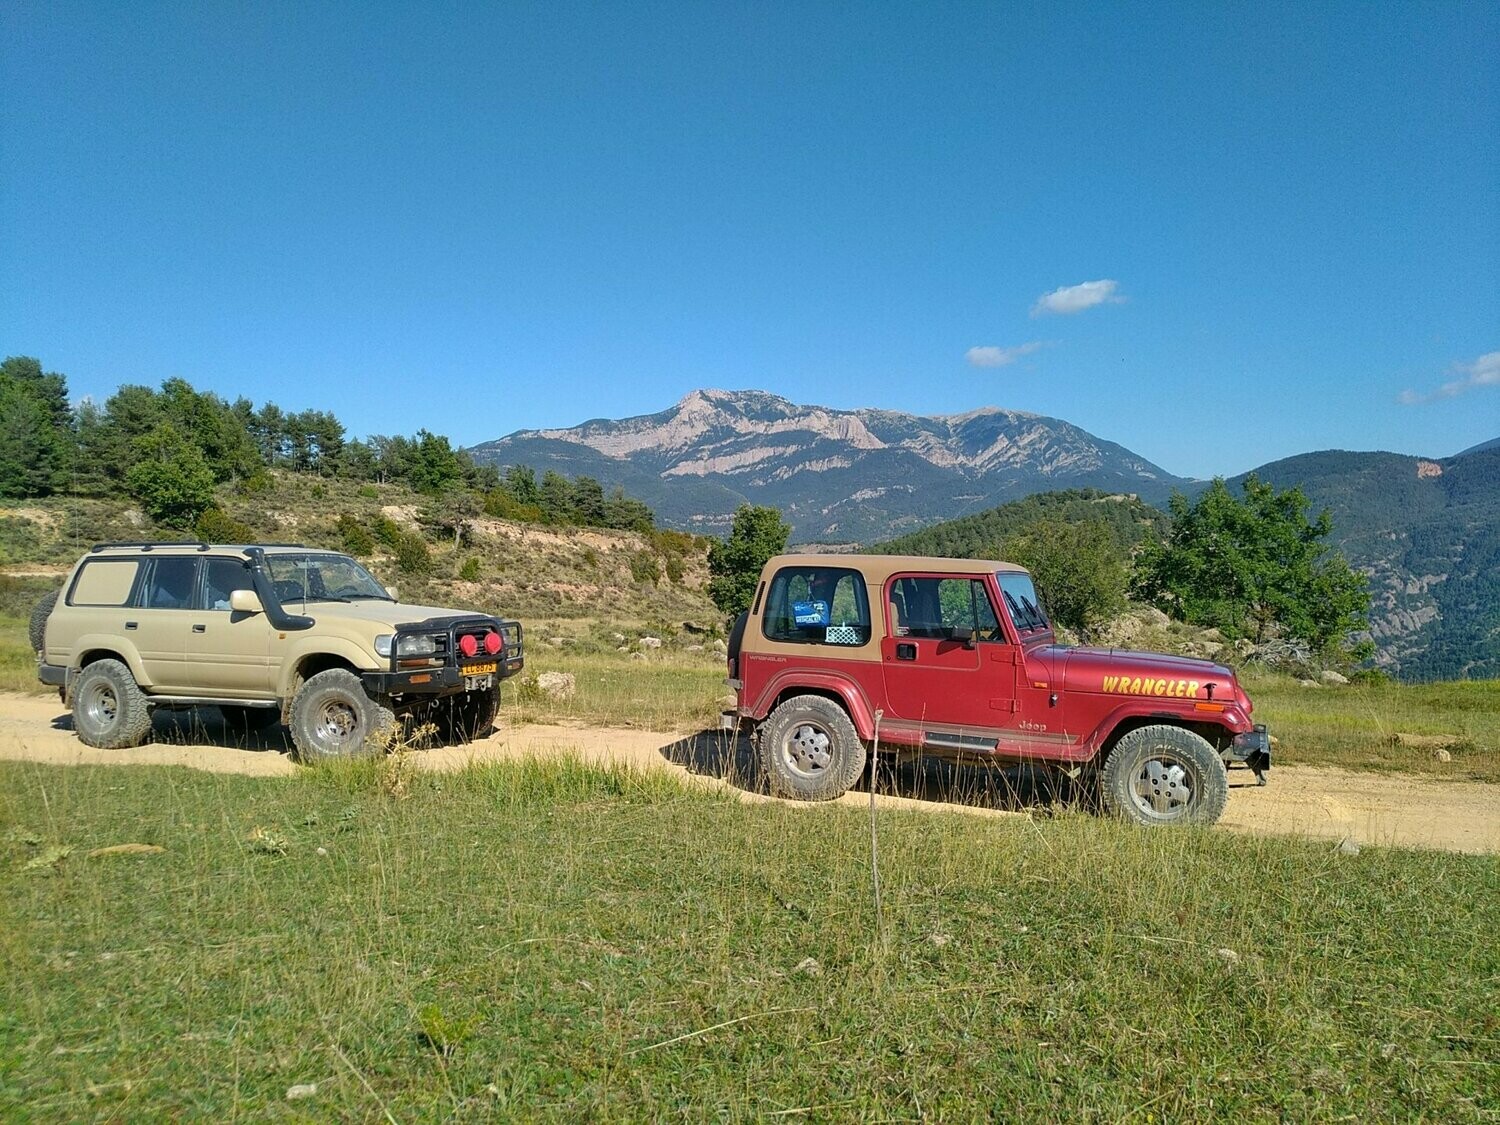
(109, 709)
(810, 750)
(1164, 775)
(332, 717)
(471, 715)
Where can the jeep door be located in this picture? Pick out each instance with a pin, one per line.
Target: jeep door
(230, 651)
(946, 658)
(160, 623)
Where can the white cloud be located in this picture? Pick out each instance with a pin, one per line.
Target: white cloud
(1483, 372)
(991, 356)
(1075, 298)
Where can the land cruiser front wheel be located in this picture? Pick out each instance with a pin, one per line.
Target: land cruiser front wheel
(1164, 775)
(332, 717)
(810, 750)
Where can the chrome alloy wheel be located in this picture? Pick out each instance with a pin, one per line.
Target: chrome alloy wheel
(337, 722)
(1163, 786)
(807, 749)
(101, 705)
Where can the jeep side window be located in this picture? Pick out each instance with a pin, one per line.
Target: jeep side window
(222, 577)
(104, 582)
(170, 583)
(935, 607)
(817, 605)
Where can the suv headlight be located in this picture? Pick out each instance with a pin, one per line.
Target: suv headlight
(414, 645)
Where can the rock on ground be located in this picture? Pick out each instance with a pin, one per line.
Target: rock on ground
(557, 685)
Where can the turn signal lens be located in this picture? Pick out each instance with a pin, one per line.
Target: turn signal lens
(468, 644)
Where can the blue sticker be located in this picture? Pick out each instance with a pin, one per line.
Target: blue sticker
(810, 613)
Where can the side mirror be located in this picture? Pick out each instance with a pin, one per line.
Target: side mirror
(245, 601)
(963, 635)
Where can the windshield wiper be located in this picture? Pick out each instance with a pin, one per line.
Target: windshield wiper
(373, 597)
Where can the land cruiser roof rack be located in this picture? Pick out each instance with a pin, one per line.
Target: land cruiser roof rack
(195, 544)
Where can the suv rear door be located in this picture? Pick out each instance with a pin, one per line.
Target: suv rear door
(160, 621)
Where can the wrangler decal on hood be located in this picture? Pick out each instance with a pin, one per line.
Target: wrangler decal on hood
(1127, 685)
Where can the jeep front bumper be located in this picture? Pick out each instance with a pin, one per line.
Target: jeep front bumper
(1254, 749)
(434, 680)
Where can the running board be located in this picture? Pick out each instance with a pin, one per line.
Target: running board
(208, 701)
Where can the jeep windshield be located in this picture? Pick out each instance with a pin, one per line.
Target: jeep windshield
(323, 578)
(1024, 603)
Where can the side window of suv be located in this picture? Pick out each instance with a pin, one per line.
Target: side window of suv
(934, 607)
(169, 583)
(104, 582)
(222, 577)
(821, 605)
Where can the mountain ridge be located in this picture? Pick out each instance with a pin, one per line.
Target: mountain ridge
(840, 475)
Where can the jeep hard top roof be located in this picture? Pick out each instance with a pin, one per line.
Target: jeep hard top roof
(877, 568)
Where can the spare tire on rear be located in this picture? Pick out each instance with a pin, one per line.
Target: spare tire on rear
(37, 631)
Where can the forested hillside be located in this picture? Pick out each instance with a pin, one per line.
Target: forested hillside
(1128, 520)
(1428, 532)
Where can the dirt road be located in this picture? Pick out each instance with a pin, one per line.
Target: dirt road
(1301, 800)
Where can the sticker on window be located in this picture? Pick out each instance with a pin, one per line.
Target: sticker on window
(810, 613)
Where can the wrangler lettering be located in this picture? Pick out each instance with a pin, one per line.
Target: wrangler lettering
(1126, 685)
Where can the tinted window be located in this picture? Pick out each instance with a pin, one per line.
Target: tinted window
(221, 577)
(935, 607)
(169, 583)
(817, 605)
(105, 582)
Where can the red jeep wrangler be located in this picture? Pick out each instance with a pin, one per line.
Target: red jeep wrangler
(956, 658)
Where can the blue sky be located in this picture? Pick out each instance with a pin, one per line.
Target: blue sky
(483, 217)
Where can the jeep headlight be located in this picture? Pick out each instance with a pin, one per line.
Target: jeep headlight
(415, 644)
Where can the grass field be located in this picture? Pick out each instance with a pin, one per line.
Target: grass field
(557, 941)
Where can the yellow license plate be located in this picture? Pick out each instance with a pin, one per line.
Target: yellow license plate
(480, 669)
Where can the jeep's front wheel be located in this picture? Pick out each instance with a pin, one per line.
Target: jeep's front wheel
(332, 717)
(1164, 775)
(810, 750)
(110, 710)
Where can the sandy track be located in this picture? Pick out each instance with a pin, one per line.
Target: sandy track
(1301, 800)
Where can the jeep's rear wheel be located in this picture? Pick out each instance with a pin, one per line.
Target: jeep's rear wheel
(1164, 775)
(810, 750)
(332, 717)
(471, 715)
(109, 709)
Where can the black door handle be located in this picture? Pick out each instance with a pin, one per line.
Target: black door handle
(132, 625)
(906, 651)
(200, 628)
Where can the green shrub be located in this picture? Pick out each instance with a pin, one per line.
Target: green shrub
(388, 531)
(216, 526)
(674, 569)
(469, 572)
(412, 555)
(645, 567)
(356, 538)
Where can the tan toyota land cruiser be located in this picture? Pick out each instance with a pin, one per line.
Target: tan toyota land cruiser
(268, 634)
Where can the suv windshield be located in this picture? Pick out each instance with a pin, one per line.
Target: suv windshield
(331, 578)
(1022, 600)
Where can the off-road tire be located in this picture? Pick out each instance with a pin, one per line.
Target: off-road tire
(332, 717)
(37, 630)
(249, 720)
(469, 715)
(110, 710)
(809, 749)
(736, 639)
(1164, 774)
